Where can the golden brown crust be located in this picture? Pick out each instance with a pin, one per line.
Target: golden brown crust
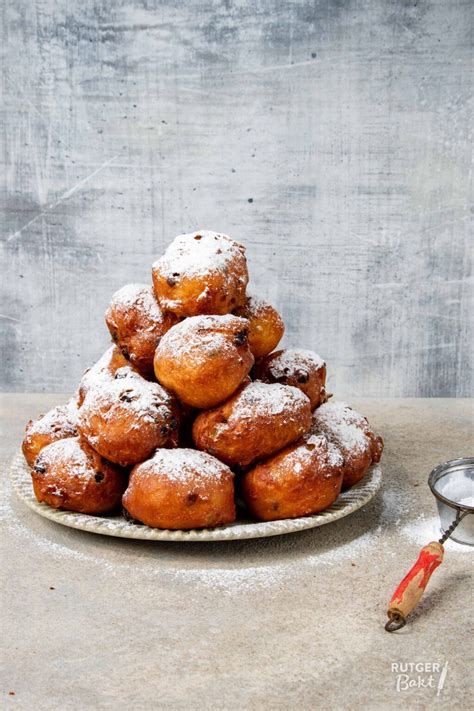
(204, 359)
(351, 432)
(181, 489)
(126, 419)
(298, 481)
(300, 368)
(70, 475)
(266, 325)
(201, 273)
(102, 371)
(58, 423)
(136, 324)
(258, 420)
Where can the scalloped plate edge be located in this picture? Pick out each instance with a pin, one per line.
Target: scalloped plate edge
(348, 502)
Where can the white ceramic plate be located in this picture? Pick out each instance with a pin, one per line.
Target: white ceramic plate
(347, 503)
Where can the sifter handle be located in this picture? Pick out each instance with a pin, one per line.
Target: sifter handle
(409, 592)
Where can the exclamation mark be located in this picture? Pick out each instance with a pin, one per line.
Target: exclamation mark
(442, 678)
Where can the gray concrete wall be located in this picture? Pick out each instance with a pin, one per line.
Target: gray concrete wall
(332, 138)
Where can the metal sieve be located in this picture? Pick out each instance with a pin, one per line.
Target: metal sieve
(452, 484)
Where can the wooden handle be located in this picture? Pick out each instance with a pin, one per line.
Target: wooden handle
(410, 590)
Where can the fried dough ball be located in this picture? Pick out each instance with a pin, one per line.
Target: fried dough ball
(181, 489)
(351, 432)
(69, 474)
(298, 481)
(258, 420)
(204, 359)
(266, 325)
(126, 419)
(298, 367)
(101, 372)
(58, 423)
(136, 324)
(201, 273)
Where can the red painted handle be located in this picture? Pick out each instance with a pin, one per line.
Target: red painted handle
(410, 590)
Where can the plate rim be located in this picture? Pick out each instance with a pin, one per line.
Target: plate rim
(348, 502)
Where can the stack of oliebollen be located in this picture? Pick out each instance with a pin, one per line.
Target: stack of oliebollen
(192, 404)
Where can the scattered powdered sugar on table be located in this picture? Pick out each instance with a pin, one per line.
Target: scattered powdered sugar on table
(199, 254)
(114, 557)
(227, 581)
(352, 549)
(9, 517)
(231, 580)
(182, 465)
(424, 529)
(138, 296)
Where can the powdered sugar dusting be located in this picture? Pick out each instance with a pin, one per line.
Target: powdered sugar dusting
(255, 303)
(269, 564)
(102, 371)
(199, 254)
(335, 457)
(344, 426)
(182, 465)
(292, 360)
(333, 453)
(63, 417)
(241, 575)
(255, 307)
(262, 400)
(199, 337)
(312, 452)
(67, 451)
(72, 412)
(424, 529)
(128, 392)
(138, 296)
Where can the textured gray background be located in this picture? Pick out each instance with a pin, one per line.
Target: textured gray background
(331, 137)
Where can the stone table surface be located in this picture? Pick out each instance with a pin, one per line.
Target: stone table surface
(91, 622)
